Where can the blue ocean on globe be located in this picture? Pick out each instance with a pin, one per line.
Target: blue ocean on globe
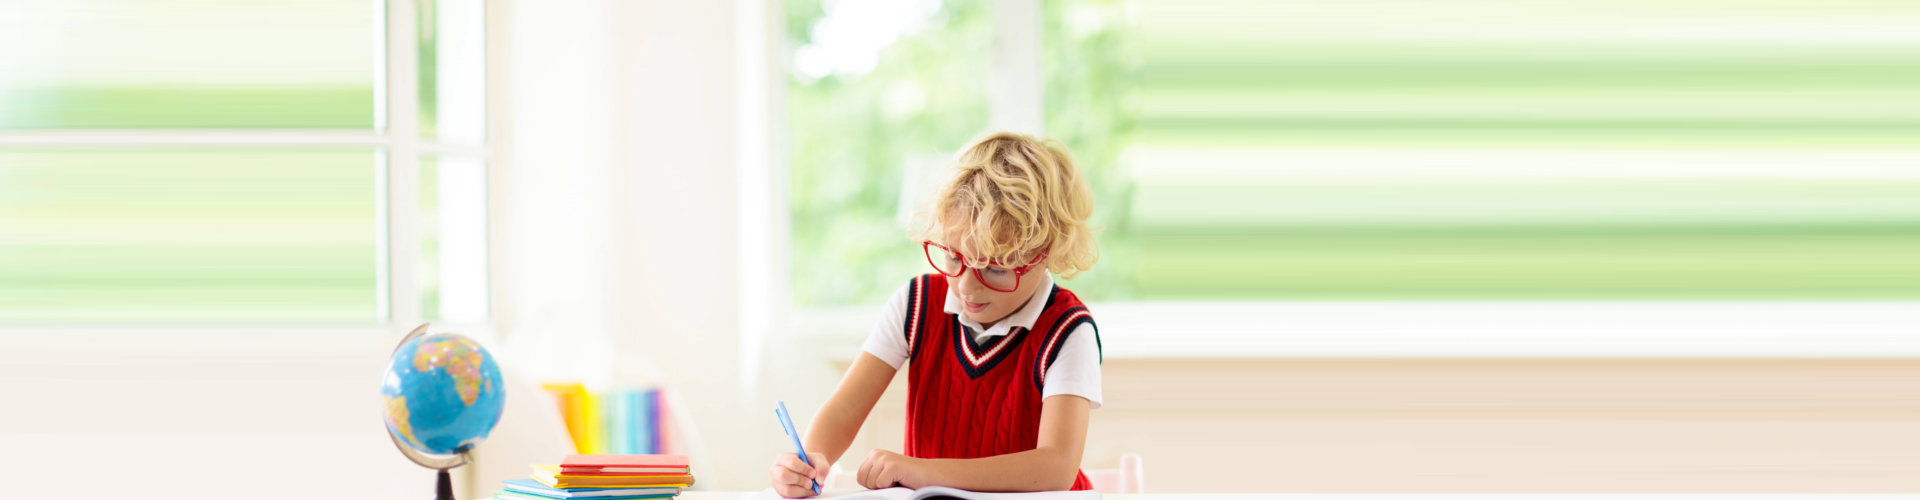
(442, 393)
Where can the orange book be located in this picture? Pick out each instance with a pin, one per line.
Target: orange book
(549, 474)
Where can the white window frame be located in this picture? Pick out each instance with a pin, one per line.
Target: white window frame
(396, 107)
(1302, 329)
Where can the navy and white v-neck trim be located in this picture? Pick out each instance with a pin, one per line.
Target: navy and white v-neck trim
(977, 359)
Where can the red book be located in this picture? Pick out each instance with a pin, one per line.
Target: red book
(624, 464)
(626, 472)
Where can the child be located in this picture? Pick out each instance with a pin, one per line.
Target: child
(1005, 366)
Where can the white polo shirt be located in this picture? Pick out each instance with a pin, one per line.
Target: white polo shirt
(1076, 371)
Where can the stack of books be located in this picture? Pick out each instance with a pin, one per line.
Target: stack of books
(603, 477)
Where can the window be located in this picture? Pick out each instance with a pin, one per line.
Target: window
(883, 93)
(1584, 150)
(236, 162)
(1312, 151)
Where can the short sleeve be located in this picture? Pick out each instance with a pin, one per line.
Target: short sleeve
(888, 338)
(1077, 370)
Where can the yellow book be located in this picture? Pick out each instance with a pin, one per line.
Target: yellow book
(549, 474)
(571, 396)
(596, 430)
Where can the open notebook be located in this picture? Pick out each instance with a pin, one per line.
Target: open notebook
(936, 493)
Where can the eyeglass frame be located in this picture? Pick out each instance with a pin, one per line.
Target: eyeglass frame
(926, 247)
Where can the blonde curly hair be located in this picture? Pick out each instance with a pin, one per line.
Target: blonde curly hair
(1013, 196)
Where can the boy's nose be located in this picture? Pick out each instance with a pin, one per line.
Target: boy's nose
(967, 284)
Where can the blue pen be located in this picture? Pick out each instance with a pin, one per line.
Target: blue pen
(786, 424)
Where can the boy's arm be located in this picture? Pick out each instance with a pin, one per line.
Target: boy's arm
(836, 424)
(833, 427)
(1052, 464)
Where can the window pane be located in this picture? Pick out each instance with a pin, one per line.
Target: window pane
(1559, 150)
(1091, 68)
(881, 95)
(452, 52)
(187, 236)
(188, 64)
(452, 274)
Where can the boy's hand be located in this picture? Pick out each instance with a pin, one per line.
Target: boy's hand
(886, 469)
(793, 478)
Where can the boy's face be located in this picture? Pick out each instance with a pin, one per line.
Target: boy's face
(986, 305)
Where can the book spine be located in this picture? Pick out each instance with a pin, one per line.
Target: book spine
(630, 403)
(590, 407)
(654, 413)
(615, 422)
(567, 398)
(643, 421)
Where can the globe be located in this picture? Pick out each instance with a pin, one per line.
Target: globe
(442, 394)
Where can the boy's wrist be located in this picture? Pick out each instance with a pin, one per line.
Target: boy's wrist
(926, 472)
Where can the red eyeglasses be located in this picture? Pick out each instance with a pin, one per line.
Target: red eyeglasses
(994, 276)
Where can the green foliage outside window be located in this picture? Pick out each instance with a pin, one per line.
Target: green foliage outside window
(862, 142)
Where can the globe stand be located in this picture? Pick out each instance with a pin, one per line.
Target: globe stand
(444, 489)
(443, 482)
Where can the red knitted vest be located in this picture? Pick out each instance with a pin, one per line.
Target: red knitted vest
(966, 400)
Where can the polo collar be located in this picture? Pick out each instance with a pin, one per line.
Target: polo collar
(1024, 317)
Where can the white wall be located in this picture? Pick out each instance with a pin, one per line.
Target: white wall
(289, 413)
(618, 207)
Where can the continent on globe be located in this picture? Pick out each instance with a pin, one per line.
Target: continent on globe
(397, 417)
(462, 360)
